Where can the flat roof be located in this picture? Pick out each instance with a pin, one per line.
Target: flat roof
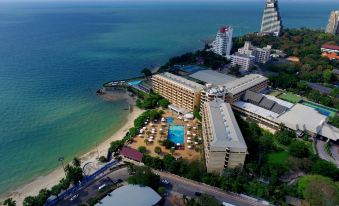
(212, 77)
(244, 83)
(315, 122)
(180, 80)
(225, 129)
(131, 195)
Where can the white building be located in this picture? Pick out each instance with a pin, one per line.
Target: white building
(224, 145)
(262, 55)
(222, 44)
(271, 21)
(244, 61)
(333, 23)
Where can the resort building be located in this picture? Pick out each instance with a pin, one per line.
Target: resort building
(272, 112)
(222, 44)
(244, 61)
(271, 21)
(330, 51)
(262, 55)
(224, 145)
(333, 23)
(181, 92)
(237, 88)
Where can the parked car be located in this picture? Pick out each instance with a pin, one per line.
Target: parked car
(166, 182)
(197, 194)
(74, 197)
(102, 186)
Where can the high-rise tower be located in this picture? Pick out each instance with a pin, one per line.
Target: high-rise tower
(222, 44)
(333, 23)
(271, 21)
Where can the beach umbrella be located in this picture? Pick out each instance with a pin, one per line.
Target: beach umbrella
(196, 143)
(150, 140)
(146, 123)
(200, 138)
(194, 128)
(194, 134)
(189, 146)
(151, 137)
(144, 128)
(178, 144)
(140, 135)
(153, 129)
(185, 120)
(161, 129)
(188, 132)
(189, 138)
(180, 117)
(163, 119)
(188, 125)
(153, 132)
(189, 141)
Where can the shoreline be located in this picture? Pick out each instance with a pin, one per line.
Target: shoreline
(49, 180)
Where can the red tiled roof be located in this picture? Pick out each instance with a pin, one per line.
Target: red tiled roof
(327, 46)
(131, 153)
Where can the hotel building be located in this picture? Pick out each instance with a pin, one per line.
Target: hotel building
(271, 20)
(333, 23)
(262, 55)
(222, 44)
(224, 145)
(245, 62)
(180, 91)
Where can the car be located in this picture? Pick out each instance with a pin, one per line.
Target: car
(166, 182)
(197, 194)
(117, 181)
(74, 197)
(102, 186)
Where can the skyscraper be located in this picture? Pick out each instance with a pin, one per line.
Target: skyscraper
(333, 23)
(271, 21)
(222, 44)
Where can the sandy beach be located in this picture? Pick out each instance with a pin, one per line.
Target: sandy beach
(55, 176)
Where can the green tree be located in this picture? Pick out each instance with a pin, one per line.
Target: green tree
(207, 200)
(146, 72)
(76, 162)
(164, 103)
(298, 149)
(157, 150)
(30, 201)
(161, 190)
(102, 159)
(284, 136)
(9, 202)
(325, 168)
(142, 149)
(116, 145)
(145, 177)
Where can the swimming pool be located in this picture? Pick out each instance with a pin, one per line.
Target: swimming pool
(132, 83)
(169, 120)
(321, 109)
(176, 134)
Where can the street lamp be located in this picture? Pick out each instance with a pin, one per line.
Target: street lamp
(61, 159)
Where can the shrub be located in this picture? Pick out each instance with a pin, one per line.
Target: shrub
(299, 149)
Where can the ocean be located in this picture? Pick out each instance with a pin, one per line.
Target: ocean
(54, 56)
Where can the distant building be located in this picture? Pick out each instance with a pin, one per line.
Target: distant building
(180, 91)
(222, 44)
(244, 61)
(330, 51)
(131, 195)
(224, 145)
(333, 23)
(262, 55)
(271, 20)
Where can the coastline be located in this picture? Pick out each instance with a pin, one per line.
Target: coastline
(47, 181)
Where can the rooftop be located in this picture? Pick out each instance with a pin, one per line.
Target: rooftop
(237, 54)
(212, 77)
(328, 46)
(181, 80)
(131, 195)
(131, 153)
(256, 110)
(244, 83)
(225, 129)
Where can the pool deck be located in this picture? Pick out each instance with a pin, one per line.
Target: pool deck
(190, 154)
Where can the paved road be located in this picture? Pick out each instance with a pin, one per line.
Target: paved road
(92, 189)
(323, 154)
(189, 187)
(178, 185)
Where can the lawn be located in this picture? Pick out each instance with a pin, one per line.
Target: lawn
(277, 158)
(275, 93)
(290, 97)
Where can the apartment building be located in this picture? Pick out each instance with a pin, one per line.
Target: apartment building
(262, 55)
(222, 44)
(224, 145)
(333, 23)
(180, 91)
(271, 20)
(243, 60)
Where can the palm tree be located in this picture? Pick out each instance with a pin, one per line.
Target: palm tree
(10, 202)
(76, 162)
(157, 150)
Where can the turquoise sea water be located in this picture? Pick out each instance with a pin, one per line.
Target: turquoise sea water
(53, 57)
